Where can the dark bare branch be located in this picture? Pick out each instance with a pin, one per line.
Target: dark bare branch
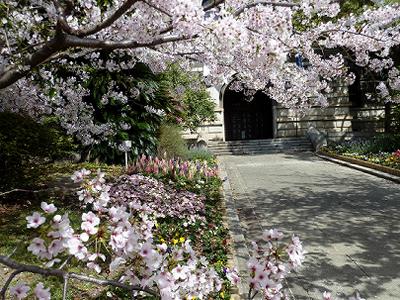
(261, 2)
(63, 274)
(157, 8)
(7, 284)
(107, 22)
(213, 4)
(73, 41)
(65, 287)
(14, 73)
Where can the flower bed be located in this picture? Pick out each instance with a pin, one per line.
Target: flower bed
(380, 153)
(181, 214)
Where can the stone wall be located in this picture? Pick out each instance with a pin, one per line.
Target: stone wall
(342, 119)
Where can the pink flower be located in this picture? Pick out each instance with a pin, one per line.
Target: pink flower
(180, 272)
(76, 248)
(327, 296)
(41, 293)
(37, 246)
(272, 234)
(35, 220)
(90, 222)
(48, 208)
(20, 291)
(78, 176)
(233, 276)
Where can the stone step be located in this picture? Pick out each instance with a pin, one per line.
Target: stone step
(260, 142)
(260, 146)
(262, 151)
(217, 147)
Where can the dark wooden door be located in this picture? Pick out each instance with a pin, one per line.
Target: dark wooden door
(247, 120)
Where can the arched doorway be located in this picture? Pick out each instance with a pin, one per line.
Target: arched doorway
(247, 120)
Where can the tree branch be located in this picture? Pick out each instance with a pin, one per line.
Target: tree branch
(7, 284)
(13, 74)
(107, 22)
(213, 4)
(64, 41)
(65, 287)
(261, 2)
(73, 41)
(157, 8)
(63, 274)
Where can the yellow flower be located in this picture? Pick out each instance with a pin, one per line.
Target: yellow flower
(182, 239)
(222, 294)
(174, 241)
(162, 240)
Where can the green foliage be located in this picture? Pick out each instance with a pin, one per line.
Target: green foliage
(348, 7)
(142, 124)
(170, 142)
(190, 90)
(385, 143)
(201, 154)
(394, 118)
(382, 143)
(24, 143)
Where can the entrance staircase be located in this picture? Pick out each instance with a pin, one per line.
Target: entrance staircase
(250, 147)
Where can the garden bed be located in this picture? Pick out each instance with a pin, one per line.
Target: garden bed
(208, 235)
(356, 159)
(380, 153)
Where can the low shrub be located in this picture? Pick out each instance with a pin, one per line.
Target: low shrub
(384, 143)
(201, 154)
(25, 143)
(170, 142)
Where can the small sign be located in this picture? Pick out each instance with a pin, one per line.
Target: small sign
(127, 144)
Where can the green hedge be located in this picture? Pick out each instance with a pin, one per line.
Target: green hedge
(25, 143)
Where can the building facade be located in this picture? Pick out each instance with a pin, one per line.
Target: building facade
(348, 115)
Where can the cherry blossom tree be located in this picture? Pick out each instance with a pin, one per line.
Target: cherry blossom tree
(254, 41)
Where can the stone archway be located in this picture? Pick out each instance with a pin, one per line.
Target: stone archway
(247, 120)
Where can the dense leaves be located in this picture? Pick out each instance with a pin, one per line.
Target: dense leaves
(25, 143)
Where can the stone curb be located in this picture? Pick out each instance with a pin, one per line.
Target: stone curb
(360, 168)
(240, 251)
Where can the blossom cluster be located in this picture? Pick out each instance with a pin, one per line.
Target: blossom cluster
(173, 167)
(116, 234)
(270, 263)
(256, 41)
(112, 238)
(21, 291)
(148, 195)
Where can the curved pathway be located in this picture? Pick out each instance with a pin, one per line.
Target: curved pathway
(349, 221)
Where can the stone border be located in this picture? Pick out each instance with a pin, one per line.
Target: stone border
(239, 248)
(363, 166)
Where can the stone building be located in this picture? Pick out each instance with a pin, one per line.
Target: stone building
(349, 114)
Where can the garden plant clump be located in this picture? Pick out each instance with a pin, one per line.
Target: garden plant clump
(382, 149)
(174, 168)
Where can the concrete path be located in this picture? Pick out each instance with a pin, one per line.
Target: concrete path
(349, 221)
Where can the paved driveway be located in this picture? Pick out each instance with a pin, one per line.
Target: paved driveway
(349, 221)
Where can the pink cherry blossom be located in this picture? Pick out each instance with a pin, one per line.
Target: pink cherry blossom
(48, 208)
(35, 220)
(37, 245)
(42, 293)
(19, 291)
